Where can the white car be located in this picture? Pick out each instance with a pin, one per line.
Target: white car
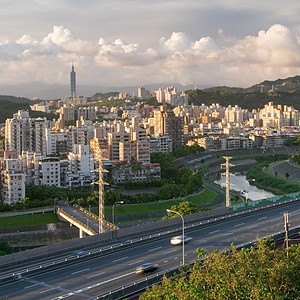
(177, 240)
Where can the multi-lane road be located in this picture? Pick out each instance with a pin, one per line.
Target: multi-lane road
(85, 279)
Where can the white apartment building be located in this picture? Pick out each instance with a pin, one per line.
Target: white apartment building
(234, 114)
(172, 96)
(13, 181)
(25, 134)
(160, 143)
(56, 142)
(50, 171)
(80, 136)
(81, 166)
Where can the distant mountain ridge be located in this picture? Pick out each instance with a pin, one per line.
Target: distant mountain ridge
(281, 91)
(287, 84)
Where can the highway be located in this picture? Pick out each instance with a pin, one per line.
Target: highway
(85, 279)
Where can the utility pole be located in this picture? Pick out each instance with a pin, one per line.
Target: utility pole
(227, 173)
(286, 227)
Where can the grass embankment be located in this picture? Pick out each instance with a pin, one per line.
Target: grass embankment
(269, 173)
(36, 219)
(153, 207)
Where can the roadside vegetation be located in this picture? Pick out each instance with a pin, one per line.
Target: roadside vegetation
(296, 158)
(204, 197)
(262, 272)
(261, 179)
(26, 220)
(5, 248)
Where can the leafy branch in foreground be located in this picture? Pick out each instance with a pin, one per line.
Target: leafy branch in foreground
(263, 272)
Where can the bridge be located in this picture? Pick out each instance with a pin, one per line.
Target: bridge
(84, 220)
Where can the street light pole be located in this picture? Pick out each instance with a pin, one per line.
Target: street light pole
(113, 210)
(182, 219)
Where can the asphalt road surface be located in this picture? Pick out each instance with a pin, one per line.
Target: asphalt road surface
(89, 278)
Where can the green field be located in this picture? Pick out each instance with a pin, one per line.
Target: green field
(204, 197)
(35, 219)
(143, 208)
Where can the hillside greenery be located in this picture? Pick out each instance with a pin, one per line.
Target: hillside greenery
(296, 158)
(273, 184)
(10, 105)
(262, 272)
(249, 99)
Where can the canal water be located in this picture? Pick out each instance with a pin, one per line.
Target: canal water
(240, 183)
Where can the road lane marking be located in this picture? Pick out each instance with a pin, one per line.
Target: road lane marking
(229, 233)
(96, 275)
(27, 287)
(136, 262)
(165, 261)
(239, 225)
(262, 218)
(214, 231)
(198, 243)
(154, 249)
(80, 271)
(170, 252)
(252, 226)
(116, 260)
(54, 288)
(90, 287)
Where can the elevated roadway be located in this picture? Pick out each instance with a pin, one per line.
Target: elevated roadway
(84, 220)
(91, 275)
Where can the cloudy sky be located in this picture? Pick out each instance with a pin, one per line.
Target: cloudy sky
(142, 42)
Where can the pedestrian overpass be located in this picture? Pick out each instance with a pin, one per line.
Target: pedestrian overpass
(85, 221)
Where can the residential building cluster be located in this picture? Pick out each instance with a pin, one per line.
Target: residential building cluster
(63, 152)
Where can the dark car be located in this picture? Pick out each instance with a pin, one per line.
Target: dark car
(146, 268)
(78, 253)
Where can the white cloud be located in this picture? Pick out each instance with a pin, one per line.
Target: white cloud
(59, 36)
(26, 40)
(178, 41)
(179, 58)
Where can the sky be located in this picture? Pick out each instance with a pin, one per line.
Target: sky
(140, 42)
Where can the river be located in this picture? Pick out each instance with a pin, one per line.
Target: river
(240, 183)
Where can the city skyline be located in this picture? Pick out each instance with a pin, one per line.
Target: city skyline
(135, 43)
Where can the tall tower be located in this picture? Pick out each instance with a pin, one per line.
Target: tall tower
(73, 82)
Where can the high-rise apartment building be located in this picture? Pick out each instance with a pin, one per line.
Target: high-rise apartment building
(165, 122)
(13, 181)
(25, 134)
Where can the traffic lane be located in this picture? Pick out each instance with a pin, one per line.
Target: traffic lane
(214, 241)
(77, 278)
(160, 256)
(73, 276)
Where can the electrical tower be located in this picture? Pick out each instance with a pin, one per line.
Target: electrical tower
(227, 173)
(100, 182)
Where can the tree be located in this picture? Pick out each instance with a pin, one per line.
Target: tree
(184, 208)
(261, 272)
(5, 248)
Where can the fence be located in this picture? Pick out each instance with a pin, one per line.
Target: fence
(262, 202)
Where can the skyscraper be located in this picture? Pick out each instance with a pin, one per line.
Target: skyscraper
(73, 82)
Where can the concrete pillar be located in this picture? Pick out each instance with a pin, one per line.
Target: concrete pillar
(80, 233)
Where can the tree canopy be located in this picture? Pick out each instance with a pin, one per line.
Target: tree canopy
(184, 208)
(263, 272)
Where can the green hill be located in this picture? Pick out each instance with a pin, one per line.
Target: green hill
(281, 91)
(10, 105)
